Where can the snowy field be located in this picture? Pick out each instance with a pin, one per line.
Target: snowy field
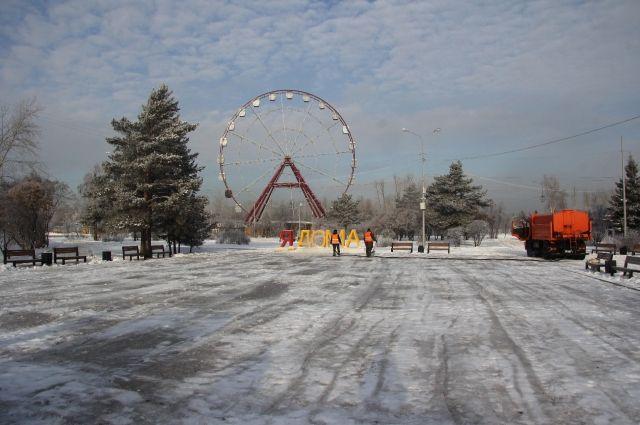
(260, 335)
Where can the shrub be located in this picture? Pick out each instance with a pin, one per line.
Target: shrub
(112, 237)
(633, 237)
(455, 235)
(477, 230)
(233, 236)
(384, 241)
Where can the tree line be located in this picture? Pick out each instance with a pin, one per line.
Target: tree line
(149, 186)
(455, 208)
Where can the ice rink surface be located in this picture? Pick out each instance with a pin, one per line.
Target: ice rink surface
(268, 337)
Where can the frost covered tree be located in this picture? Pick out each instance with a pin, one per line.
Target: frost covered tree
(453, 198)
(615, 211)
(556, 198)
(345, 211)
(150, 169)
(97, 205)
(477, 230)
(185, 221)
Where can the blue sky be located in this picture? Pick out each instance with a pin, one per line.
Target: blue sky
(494, 75)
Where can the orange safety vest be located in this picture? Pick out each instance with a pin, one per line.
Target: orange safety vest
(335, 239)
(368, 237)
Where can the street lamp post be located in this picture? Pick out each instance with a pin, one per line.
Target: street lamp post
(423, 200)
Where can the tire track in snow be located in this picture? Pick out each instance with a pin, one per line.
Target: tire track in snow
(586, 356)
(550, 300)
(345, 322)
(500, 337)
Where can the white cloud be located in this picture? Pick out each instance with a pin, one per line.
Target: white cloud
(494, 72)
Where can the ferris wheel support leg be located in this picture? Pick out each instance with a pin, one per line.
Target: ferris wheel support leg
(258, 208)
(314, 204)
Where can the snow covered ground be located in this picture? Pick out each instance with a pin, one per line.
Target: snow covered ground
(267, 335)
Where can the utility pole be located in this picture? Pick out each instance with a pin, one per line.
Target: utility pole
(624, 192)
(423, 200)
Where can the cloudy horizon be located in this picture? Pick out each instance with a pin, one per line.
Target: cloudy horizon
(494, 77)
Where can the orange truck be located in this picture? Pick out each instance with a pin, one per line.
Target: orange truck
(559, 234)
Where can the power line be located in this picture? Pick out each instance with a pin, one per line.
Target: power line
(522, 186)
(550, 142)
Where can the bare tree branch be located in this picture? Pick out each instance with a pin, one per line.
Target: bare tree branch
(18, 136)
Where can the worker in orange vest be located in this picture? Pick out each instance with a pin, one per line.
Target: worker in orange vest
(369, 239)
(335, 242)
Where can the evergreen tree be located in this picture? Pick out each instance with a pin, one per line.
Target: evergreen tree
(345, 211)
(615, 211)
(150, 168)
(186, 221)
(407, 218)
(454, 200)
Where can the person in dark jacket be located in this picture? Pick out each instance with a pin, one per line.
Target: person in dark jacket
(335, 242)
(369, 239)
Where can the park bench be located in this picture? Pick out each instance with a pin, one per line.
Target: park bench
(401, 246)
(438, 246)
(631, 265)
(159, 250)
(11, 254)
(636, 248)
(64, 257)
(130, 251)
(604, 259)
(604, 247)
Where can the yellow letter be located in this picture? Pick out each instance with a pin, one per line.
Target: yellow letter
(327, 238)
(343, 237)
(305, 237)
(353, 237)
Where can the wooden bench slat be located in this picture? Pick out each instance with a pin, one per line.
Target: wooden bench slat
(401, 246)
(629, 260)
(603, 259)
(604, 247)
(12, 253)
(67, 250)
(133, 250)
(438, 246)
(159, 250)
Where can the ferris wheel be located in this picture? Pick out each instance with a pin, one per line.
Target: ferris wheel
(273, 139)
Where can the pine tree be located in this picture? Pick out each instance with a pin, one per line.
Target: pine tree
(150, 168)
(185, 221)
(454, 200)
(615, 211)
(345, 211)
(407, 218)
